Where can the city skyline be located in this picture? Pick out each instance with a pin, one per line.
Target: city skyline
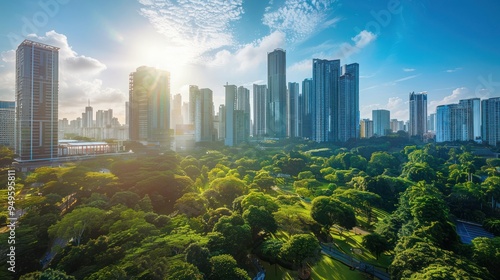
(390, 39)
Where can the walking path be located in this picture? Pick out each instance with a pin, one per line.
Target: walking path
(353, 262)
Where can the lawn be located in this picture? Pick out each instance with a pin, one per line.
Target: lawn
(325, 269)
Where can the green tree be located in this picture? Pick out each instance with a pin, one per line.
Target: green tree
(74, 224)
(328, 211)
(228, 189)
(184, 271)
(224, 267)
(259, 220)
(300, 249)
(198, 256)
(375, 243)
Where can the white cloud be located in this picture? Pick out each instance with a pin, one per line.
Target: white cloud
(299, 19)
(250, 56)
(456, 95)
(361, 40)
(204, 25)
(79, 78)
(408, 69)
(70, 62)
(9, 56)
(397, 107)
(453, 70)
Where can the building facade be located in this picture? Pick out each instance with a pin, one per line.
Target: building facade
(276, 82)
(204, 116)
(418, 114)
(37, 92)
(381, 122)
(7, 123)
(293, 110)
(490, 119)
(149, 106)
(366, 128)
(326, 75)
(260, 101)
(348, 104)
(306, 108)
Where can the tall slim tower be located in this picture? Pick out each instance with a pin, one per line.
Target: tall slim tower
(194, 92)
(276, 82)
(243, 104)
(293, 110)
(326, 75)
(490, 119)
(204, 116)
(229, 139)
(306, 108)
(418, 114)
(88, 116)
(260, 99)
(348, 103)
(149, 111)
(37, 91)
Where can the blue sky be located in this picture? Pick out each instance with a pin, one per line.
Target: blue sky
(450, 49)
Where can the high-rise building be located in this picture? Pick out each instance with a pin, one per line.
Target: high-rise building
(127, 118)
(149, 97)
(293, 110)
(204, 116)
(418, 114)
(459, 122)
(366, 128)
(7, 123)
(326, 75)
(88, 116)
(194, 91)
(306, 108)
(472, 111)
(222, 122)
(176, 111)
(348, 103)
(381, 122)
(431, 122)
(230, 91)
(243, 104)
(260, 99)
(397, 125)
(37, 91)
(276, 82)
(490, 119)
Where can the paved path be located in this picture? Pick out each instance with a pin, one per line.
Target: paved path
(353, 262)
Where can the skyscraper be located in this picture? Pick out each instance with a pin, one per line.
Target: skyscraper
(37, 91)
(176, 111)
(306, 108)
(418, 114)
(243, 104)
(293, 110)
(326, 75)
(490, 119)
(381, 122)
(149, 97)
(88, 116)
(276, 82)
(459, 122)
(204, 116)
(260, 99)
(194, 91)
(7, 123)
(229, 134)
(348, 103)
(222, 122)
(366, 128)
(472, 125)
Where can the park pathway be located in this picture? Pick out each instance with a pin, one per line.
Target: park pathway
(353, 262)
